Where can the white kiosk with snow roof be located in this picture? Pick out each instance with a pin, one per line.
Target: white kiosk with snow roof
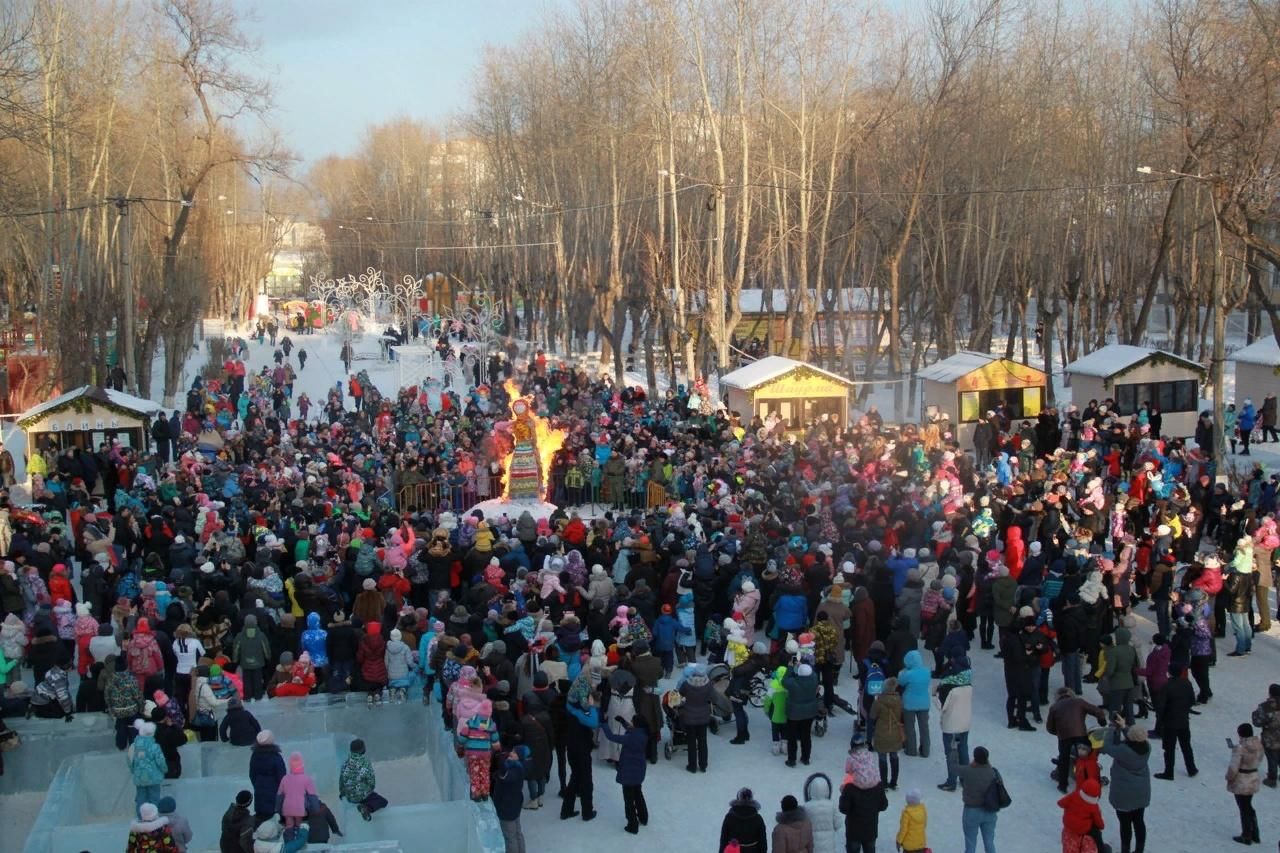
(86, 417)
(797, 392)
(1131, 375)
(967, 385)
(1257, 370)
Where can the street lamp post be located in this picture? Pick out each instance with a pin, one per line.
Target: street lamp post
(1219, 358)
(359, 241)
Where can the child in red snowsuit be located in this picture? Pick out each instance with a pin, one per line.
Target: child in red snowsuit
(1082, 819)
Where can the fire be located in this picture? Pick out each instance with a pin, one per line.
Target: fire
(546, 441)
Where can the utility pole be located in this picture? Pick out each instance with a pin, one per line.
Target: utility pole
(124, 338)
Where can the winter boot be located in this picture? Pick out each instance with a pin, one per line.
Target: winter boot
(371, 699)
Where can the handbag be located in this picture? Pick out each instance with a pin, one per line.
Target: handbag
(203, 720)
(312, 804)
(996, 796)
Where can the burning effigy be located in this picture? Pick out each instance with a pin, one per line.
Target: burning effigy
(533, 442)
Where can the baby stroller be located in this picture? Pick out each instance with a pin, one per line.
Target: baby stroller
(718, 674)
(670, 702)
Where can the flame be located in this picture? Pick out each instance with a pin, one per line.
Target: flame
(546, 441)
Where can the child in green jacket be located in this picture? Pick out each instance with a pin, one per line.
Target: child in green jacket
(775, 706)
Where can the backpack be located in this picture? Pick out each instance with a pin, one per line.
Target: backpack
(128, 587)
(450, 670)
(875, 679)
(366, 561)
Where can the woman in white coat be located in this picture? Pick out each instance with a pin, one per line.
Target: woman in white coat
(828, 825)
(956, 702)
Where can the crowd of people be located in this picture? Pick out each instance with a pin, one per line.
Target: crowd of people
(261, 551)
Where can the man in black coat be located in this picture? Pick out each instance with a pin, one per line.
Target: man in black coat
(579, 742)
(1021, 652)
(1174, 714)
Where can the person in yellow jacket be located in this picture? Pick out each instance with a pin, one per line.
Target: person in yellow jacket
(912, 824)
(37, 469)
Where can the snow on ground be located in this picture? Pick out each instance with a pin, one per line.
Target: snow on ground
(686, 809)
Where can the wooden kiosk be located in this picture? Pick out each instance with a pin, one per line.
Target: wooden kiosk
(967, 385)
(797, 392)
(86, 417)
(1131, 375)
(1257, 370)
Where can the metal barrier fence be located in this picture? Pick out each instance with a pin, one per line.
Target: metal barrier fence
(563, 490)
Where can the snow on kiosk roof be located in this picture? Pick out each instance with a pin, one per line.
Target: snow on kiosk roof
(955, 366)
(771, 367)
(1263, 351)
(105, 396)
(1114, 359)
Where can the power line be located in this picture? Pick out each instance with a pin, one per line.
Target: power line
(25, 213)
(380, 245)
(489, 217)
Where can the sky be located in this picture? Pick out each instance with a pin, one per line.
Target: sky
(338, 66)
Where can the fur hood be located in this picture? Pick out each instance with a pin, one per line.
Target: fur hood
(1092, 589)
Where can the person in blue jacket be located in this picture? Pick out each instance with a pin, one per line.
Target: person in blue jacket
(426, 645)
(1246, 422)
(315, 642)
(790, 611)
(508, 797)
(899, 564)
(631, 769)
(686, 639)
(665, 630)
(913, 678)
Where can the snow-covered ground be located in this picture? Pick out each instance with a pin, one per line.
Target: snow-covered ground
(1186, 814)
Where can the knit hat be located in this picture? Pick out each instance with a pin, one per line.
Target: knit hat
(745, 798)
(789, 803)
(369, 584)
(167, 805)
(206, 568)
(395, 634)
(296, 764)
(143, 626)
(913, 796)
(148, 812)
(215, 670)
(1136, 734)
(266, 738)
(357, 746)
(244, 798)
